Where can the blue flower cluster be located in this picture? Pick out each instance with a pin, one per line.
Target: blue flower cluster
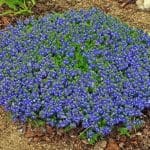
(80, 67)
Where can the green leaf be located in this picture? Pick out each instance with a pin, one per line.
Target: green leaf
(124, 131)
(102, 123)
(82, 135)
(16, 7)
(2, 2)
(94, 139)
(13, 3)
(33, 2)
(68, 128)
(39, 123)
(7, 12)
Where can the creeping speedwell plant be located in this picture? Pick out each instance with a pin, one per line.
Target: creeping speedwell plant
(76, 68)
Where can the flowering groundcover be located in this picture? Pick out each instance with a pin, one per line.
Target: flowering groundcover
(76, 68)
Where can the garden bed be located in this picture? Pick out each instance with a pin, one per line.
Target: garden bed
(84, 66)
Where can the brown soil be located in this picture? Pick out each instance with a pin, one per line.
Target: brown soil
(130, 14)
(17, 137)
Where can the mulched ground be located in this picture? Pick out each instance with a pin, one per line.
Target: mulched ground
(15, 136)
(130, 14)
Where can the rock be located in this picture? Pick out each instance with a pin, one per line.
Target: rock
(112, 145)
(100, 145)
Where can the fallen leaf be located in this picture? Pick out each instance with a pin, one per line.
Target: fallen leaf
(5, 21)
(112, 145)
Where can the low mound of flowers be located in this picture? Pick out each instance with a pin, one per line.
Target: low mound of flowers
(77, 68)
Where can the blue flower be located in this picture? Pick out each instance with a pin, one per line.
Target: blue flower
(79, 67)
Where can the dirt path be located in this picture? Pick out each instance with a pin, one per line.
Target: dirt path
(12, 138)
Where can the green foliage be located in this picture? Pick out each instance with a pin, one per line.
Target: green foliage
(58, 60)
(124, 131)
(94, 138)
(81, 61)
(37, 122)
(17, 6)
(102, 123)
(68, 128)
(82, 135)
